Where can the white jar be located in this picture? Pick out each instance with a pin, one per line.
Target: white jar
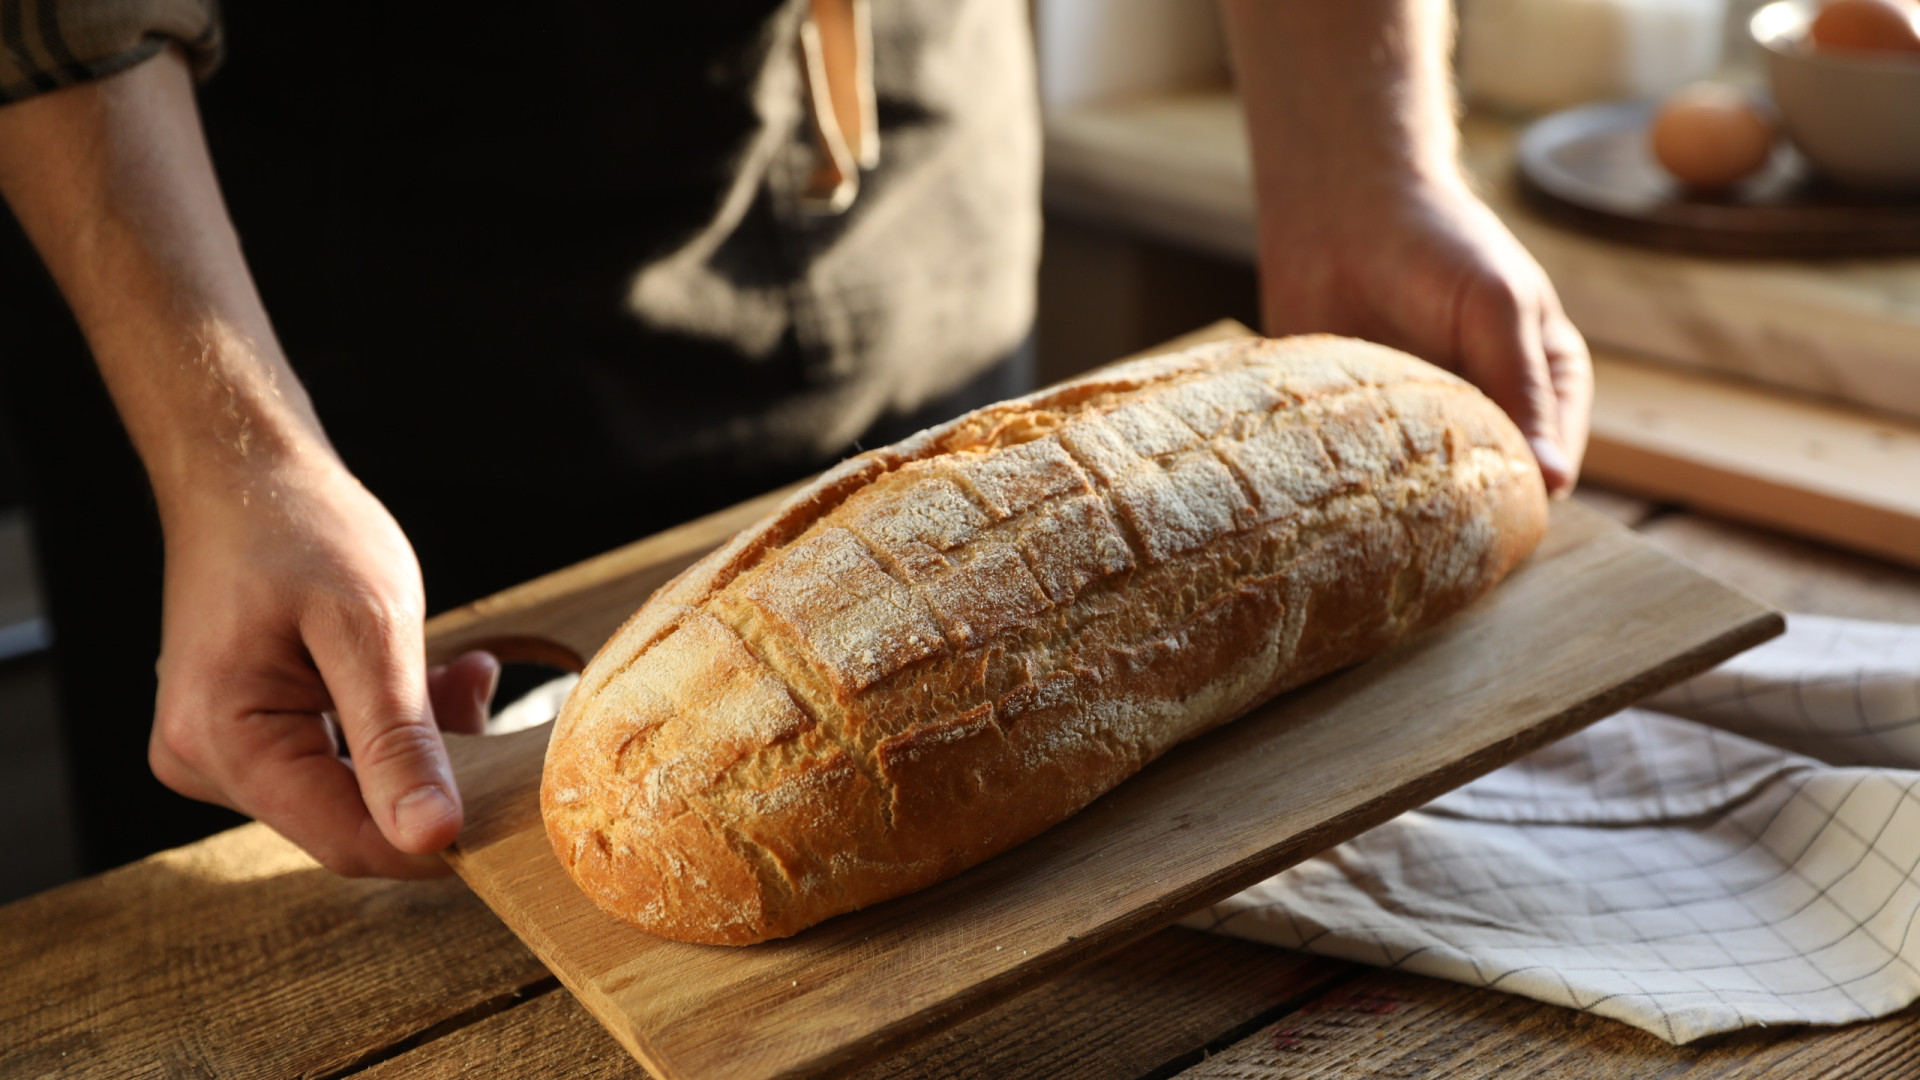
(1539, 55)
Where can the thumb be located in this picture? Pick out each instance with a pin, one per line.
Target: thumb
(374, 666)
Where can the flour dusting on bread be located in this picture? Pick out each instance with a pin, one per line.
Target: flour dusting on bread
(943, 647)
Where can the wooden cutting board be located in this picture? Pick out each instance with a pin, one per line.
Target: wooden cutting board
(1789, 462)
(1595, 620)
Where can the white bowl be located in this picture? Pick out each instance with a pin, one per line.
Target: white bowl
(1855, 116)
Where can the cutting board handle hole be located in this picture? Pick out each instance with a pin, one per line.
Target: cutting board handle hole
(525, 649)
(535, 676)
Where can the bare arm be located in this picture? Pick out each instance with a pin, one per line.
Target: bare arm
(289, 589)
(112, 183)
(1367, 225)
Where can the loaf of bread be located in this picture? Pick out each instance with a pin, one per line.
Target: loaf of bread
(941, 648)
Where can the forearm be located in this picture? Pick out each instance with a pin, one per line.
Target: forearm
(290, 592)
(1367, 225)
(112, 183)
(1354, 92)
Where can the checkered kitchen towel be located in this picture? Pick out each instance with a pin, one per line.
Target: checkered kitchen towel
(1747, 854)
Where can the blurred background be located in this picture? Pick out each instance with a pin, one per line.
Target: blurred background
(1147, 204)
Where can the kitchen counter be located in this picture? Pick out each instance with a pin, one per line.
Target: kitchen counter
(1177, 169)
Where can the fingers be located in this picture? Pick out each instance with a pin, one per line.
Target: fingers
(462, 691)
(371, 658)
(1570, 367)
(1503, 348)
(284, 769)
(297, 783)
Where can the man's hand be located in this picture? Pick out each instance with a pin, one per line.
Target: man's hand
(293, 603)
(292, 618)
(1427, 268)
(1367, 227)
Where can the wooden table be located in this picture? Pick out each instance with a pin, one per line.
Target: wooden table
(239, 957)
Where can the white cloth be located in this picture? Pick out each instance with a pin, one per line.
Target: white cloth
(1687, 879)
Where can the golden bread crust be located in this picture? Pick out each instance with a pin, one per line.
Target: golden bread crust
(942, 647)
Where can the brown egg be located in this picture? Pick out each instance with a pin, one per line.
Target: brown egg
(1867, 26)
(1711, 136)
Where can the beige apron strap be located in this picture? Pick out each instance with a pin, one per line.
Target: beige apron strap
(836, 41)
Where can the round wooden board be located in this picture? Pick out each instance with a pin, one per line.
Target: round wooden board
(1591, 167)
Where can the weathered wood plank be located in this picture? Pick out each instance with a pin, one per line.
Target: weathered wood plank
(1125, 1014)
(1122, 1016)
(551, 1035)
(1628, 510)
(1393, 1024)
(240, 957)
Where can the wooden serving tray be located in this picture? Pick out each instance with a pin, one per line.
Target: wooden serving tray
(1594, 621)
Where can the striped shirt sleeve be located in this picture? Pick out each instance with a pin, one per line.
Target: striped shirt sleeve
(47, 44)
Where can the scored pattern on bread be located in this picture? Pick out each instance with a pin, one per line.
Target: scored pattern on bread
(945, 646)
